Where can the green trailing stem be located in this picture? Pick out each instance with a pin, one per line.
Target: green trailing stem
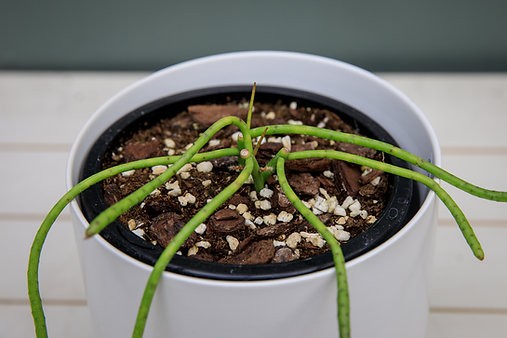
(499, 196)
(456, 212)
(179, 240)
(343, 303)
(136, 197)
(42, 233)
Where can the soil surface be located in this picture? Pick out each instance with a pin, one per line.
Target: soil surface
(252, 227)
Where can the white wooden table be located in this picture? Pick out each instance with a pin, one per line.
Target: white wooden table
(42, 112)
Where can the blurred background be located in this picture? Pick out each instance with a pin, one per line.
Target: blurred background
(389, 35)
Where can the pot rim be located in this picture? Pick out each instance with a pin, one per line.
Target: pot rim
(426, 203)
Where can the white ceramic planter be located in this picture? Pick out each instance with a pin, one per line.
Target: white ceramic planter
(388, 285)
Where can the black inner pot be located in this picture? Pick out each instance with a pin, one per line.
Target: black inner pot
(403, 200)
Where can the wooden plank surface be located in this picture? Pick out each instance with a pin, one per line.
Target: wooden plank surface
(41, 113)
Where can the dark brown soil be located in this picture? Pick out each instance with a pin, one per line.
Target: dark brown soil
(252, 227)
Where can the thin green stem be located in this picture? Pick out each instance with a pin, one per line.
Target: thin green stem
(499, 196)
(461, 220)
(136, 197)
(343, 302)
(47, 223)
(178, 241)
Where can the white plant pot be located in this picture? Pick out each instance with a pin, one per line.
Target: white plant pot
(388, 285)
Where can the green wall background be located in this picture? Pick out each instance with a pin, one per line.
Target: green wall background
(380, 35)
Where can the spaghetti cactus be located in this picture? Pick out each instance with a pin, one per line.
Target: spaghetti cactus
(245, 153)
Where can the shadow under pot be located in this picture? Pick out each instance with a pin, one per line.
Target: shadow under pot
(387, 201)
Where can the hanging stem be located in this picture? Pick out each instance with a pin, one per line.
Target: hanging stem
(136, 197)
(499, 196)
(343, 303)
(179, 240)
(461, 220)
(42, 233)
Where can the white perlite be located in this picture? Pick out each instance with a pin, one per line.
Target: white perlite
(338, 233)
(169, 143)
(242, 208)
(286, 142)
(269, 219)
(128, 173)
(185, 175)
(266, 192)
(188, 198)
(204, 167)
(173, 188)
(328, 174)
(293, 105)
(313, 238)
(278, 243)
(206, 183)
(185, 168)
(263, 204)
(201, 229)
(192, 251)
(320, 206)
(293, 240)
(214, 143)
(158, 169)
(271, 115)
(284, 217)
(203, 244)
(232, 241)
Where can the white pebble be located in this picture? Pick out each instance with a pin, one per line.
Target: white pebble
(186, 167)
(266, 192)
(313, 238)
(169, 143)
(203, 244)
(185, 175)
(201, 229)
(204, 167)
(247, 215)
(347, 202)
(206, 183)
(339, 234)
(293, 240)
(269, 219)
(278, 243)
(158, 169)
(155, 192)
(271, 115)
(128, 173)
(250, 224)
(355, 207)
(286, 142)
(263, 204)
(293, 105)
(295, 123)
(342, 220)
(328, 174)
(139, 232)
(371, 219)
(258, 220)
(233, 242)
(253, 196)
(375, 181)
(320, 206)
(192, 251)
(339, 211)
(284, 216)
(214, 143)
(242, 208)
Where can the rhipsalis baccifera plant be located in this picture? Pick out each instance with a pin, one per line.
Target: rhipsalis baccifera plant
(245, 153)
